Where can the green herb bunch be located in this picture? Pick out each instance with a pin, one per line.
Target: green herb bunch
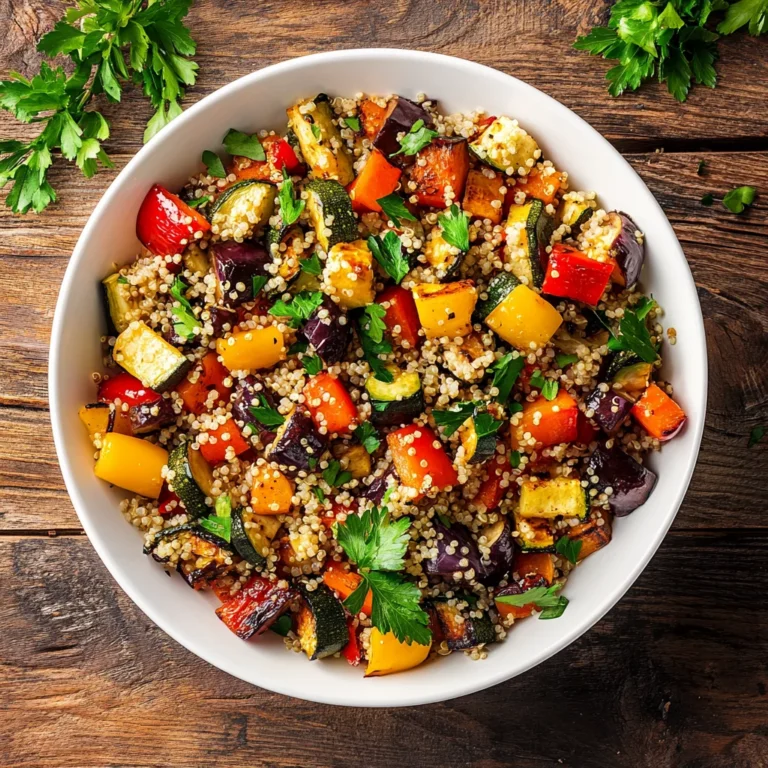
(673, 39)
(110, 42)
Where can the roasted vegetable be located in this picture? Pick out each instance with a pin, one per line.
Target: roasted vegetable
(534, 534)
(234, 266)
(574, 213)
(461, 631)
(498, 539)
(379, 485)
(248, 394)
(499, 287)
(548, 422)
(298, 446)
(457, 557)
(513, 588)
(445, 310)
(528, 233)
(397, 402)
(325, 332)
(626, 248)
(256, 606)
(349, 271)
(444, 258)
(482, 192)
(609, 410)
(327, 199)
(593, 535)
(151, 416)
(209, 377)
(377, 179)
(222, 443)
(658, 413)
(402, 317)
(631, 483)
(286, 248)
(206, 557)
(271, 491)
(477, 449)
(427, 468)
(372, 117)
(252, 349)
(573, 275)
(99, 418)
(353, 458)
(330, 404)
(243, 209)
(542, 183)
(192, 479)
(121, 307)
(344, 582)
(524, 318)
(496, 484)
(248, 548)
(387, 654)
(536, 565)
(504, 144)
(400, 117)
(441, 166)
(548, 499)
(131, 463)
(321, 623)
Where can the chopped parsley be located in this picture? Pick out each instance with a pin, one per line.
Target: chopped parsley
(377, 546)
(545, 599)
(550, 389)
(634, 335)
(565, 360)
(568, 548)
(394, 207)
(644, 306)
(371, 330)
(290, 207)
(198, 201)
(299, 309)
(455, 226)
(185, 323)
(353, 123)
(298, 347)
(738, 199)
(312, 364)
(368, 436)
(220, 524)
(486, 425)
(452, 418)
(257, 283)
(122, 280)
(265, 414)
(505, 373)
(537, 379)
(388, 251)
(311, 265)
(334, 475)
(416, 139)
(244, 145)
(756, 435)
(514, 459)
(319, 493)
(214, 165)
(316, 132)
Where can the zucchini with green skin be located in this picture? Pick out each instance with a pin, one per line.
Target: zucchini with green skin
(574, 213)
(192, 479)
(558, 497)
(628, 373)
(443, 257)
(476, 449)
(329, 198)
(242, 542)
(149, 357)
(501, 285)
(321, 144)
(242, 209)
(529, 231)
(321, 623)
(535, 534)
(504, 144)
(461, 631)
(290, 258)
(120, 304)
(397, 402)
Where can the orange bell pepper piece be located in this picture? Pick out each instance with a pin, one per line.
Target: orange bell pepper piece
(658, 413)
(344, 583)
(377, 179)
(214, 450)
(330, 404)
(428, 459)
(211, 375)
(549, 422)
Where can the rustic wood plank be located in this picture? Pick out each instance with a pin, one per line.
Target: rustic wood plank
(89, 681)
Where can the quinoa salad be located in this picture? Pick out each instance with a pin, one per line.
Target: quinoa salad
(380, 380)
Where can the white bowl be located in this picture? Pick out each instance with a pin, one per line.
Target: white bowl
(259, 101)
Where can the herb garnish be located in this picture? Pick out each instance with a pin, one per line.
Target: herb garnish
(634, 335)
(368, 436)
(388, 251)
(122, 280)
(568, 548)
(185, 323)
(319, 493)
(644, 306)
(198, 201)
(311, 265)
(564, 360)
(544, 598)
(738, 199)
(214, 165)
(299, 309)
(377, 546)
(756, 435)
(297, 347)
(394, 207)
(353, 123)
(371, 331)
(514, 459)
(334, 475)
(220, 524)
(257, 283)
(416, 139)
(486, 425)
(452, 418)
(96, 35)
(282, 625)
(505, 373)
(455, 226)
(316, 132)
(290, 207)
(244, 145)
(312, 364)
(265, 414)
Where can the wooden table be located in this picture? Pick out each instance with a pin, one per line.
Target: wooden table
(675, 675)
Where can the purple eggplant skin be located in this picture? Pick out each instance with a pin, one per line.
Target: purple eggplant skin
(628, 251)
(610, 410)
(246, 395)
(297, 446)
(236, 264)
(326, 334)
(502, 552)
(380, 485)
(150, 417)
(631, 482)
(446, 563)
(400, 118)
(219, 317)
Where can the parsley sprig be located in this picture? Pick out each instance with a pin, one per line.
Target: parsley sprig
(455, 226)
(184, 321)
(299, 309)
(368, 436)
(394, 207)
(377, 546)
(416, 139)
(290, 207)
(568, 548)
(220, 524)
(388, 251)
(505, 373)
(265, 414)
(371, 331)
(545, 599)
(110, 42)
(312, 364)
(452, 418)
(335, 476)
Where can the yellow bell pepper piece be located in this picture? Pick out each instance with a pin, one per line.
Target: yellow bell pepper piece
(271, 491)
(349, 269)
(252, 349)
(131, 463)
(97, 417)
(524, 318)
(387, 654)
(445, 309)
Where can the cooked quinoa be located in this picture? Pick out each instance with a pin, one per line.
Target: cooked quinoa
(393, 309)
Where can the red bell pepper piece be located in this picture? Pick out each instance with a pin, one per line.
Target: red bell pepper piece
(351, 651)
(278, 153)
(344, 582)
(401, 314)
(166, 223)
(128, 389)
(549, 422)
(255, 607)
(658, 413)
(491, 492)
(330, 405)
(573, 275)
(377, 179)
(281, 155)
(214, 450)
(585, 432)
(428, 461)
(168, 502)
(211, 377)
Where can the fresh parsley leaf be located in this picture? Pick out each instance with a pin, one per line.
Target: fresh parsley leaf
(282, 625)
(738, 199)
(485, 425)
(371, 332)
(756, 435)
(634, 335)
(388, 251)
(505, 373)
(537, 379)
(416, 139)
(257, 283)
(353, 123)
(394, 207)
(320, 493)
(555, 611)
(750, 13)
(544, 598)
(312, 364)
(550, 389)
(316, 132)
(198, 201)
(700, 168)
(455, 226)
(373, 540)
(290, 207)
(707, 199)
(265, 414)
(644, 306)
(515, 407)
(454, 417)
(244, 145)
(185, 323)
(375, 325)
(220, 524)
(311, 265)
(299, 309)
(214, 165)
(123, 280)
(298, 347)
(334, 475)
(396, 607)
(565, 360)
(568, 548)
(514, 459)
(368, 436)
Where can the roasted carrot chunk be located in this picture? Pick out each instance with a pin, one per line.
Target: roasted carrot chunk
(548, 422)
(377, 179)
(482, 190)
(658, 413)
(541, 184)
(446, 164)
(373, 117)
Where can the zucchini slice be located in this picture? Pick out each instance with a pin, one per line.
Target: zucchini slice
(242, 209)
(501, 285)
(349, 270)
(529, 229)
(288, 259)
(353, 458)
(535, 534)
(574, 213)
(476, 449)
(558, 497)
(504, 144)
(325, 199)
(443, 257)
(397, 402)
(247, 547)
(321, 144)
(149, 357)
(321, 623)
(209, 553)
(192, 479)
(120, 305)
(461, 631)
(460, 359)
